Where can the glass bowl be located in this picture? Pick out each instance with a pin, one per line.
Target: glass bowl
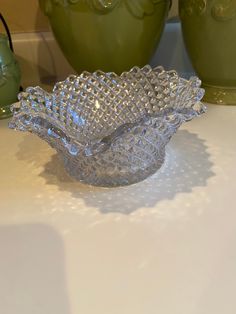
(110, 130)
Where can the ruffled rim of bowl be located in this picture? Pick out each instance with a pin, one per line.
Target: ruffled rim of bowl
(22, 120)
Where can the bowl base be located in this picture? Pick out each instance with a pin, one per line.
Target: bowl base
(219, 95)
(115, 179)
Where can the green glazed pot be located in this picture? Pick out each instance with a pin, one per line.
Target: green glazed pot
(111, 35)
(9, 78)
(209, 30)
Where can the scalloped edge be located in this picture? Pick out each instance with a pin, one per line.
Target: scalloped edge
(102, 144)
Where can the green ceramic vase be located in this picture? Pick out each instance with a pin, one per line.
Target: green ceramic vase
(209, 30)
(9, 78)
(111, 35)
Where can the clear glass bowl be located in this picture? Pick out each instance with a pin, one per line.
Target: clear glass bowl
(110, 130)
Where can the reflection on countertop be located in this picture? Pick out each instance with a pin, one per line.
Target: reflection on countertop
(38, 283)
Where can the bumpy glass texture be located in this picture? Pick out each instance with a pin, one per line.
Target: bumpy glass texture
(110, 130)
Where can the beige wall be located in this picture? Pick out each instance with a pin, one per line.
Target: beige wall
(25, 15)
(174, 9)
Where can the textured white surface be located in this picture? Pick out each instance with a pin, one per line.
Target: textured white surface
(166, 245)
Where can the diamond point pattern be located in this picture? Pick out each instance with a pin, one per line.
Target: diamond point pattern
(110, 130)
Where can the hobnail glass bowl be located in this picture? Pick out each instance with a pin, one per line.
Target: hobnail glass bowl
(110, 130)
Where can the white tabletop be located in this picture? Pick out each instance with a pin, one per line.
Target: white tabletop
(164, 246)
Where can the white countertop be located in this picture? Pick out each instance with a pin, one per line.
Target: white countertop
(163, 246)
